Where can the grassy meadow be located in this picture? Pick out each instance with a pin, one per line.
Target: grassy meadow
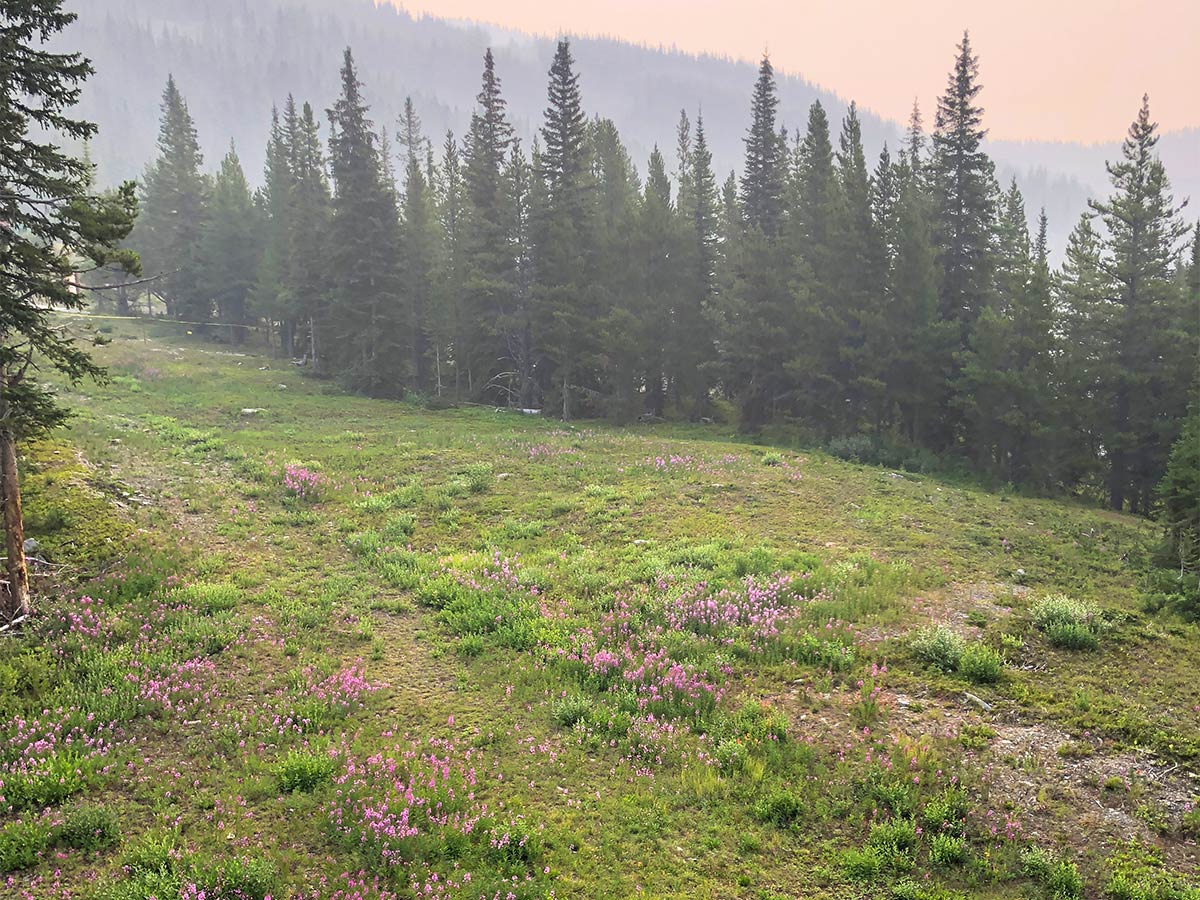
(303, 644)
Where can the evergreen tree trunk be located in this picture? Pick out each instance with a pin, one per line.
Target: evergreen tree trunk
(15, 600)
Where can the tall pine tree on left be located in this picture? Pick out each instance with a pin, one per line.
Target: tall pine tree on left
(53, 227)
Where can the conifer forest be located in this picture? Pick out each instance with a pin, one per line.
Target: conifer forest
(507, 513)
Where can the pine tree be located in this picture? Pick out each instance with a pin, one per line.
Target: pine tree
(763, 173)
(517, 325)
(916, 378)
(488, 223)
(564, 233)
(963, 182)
(229, 251)
(683, 164)
(274, 203)
(690, 354)
(631, 322)
(420, 246)
(816, 202)
(307, 275)
(174, 198)
(46, 203)
(1084, 311)
(368, 337)
(452, 324)
(1142, 246)
(859, 261)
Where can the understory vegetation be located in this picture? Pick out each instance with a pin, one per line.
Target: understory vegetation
(304, 644)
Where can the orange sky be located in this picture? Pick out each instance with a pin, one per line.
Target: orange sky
(1051, 69)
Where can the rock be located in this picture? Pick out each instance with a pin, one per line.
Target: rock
(31, 546)
(282, 387)
(252, 410)
(981, 703)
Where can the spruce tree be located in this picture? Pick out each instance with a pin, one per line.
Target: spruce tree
(307, 275)
(684, 172)
(763, 172)
(452, 324)
(273, 200)
(517, 325)
(690, 354)
(229, 251)
(174, 199)
(963, 182)
(564, 233)
(420, 245)
(916, 379)
(631, 322)
(46, 203)
(1084, 311)
(488, 223)
(858, 257)
(1143, 235)
(366, 315)
(816, 203)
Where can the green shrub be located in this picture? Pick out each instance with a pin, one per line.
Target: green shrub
(238, 879)
(1071, 636)
(478, 477)
(946, 809)
(209, 598)
(470, 645)
(861, 865)
(1059, 877)
(440, 592)
(64, 775)
(731, 755)
(571, 709)
(399, 528)
(946, 850)
(780, 807)
(772, 458)
(898, 835)
(981, 664)
(303, 771)
(89, 828)
(938, 646)
(21, 845)
(1068, 623)
(890, 793)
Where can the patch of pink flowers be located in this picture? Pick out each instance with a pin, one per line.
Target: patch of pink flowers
(302, 483)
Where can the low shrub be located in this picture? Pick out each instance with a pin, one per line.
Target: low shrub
(571, 709)
(981, 664)
(892, 837)
(237, 879)
(780, 807)
(1068, 623)
(861, 865)
(303, 771)
(938, 646)
(89, 828)
(946, 850)
(946, 809)
(22, 844)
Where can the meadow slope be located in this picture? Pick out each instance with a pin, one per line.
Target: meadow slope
(307, 644)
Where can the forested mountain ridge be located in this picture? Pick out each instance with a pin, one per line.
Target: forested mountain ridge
(234, 59)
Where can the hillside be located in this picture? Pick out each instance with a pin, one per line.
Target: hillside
(358, 649)
(234, 59)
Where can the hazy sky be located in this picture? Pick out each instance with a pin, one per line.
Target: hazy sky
(1051, 69)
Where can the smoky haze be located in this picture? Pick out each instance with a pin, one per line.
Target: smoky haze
(233, 59)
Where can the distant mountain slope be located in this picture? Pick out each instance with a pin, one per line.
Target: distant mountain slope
(234, 58)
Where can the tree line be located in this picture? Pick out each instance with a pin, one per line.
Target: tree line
(899, 308)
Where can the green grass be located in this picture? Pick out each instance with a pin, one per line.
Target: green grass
(469, 557)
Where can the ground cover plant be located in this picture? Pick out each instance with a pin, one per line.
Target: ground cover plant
(347, 648)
